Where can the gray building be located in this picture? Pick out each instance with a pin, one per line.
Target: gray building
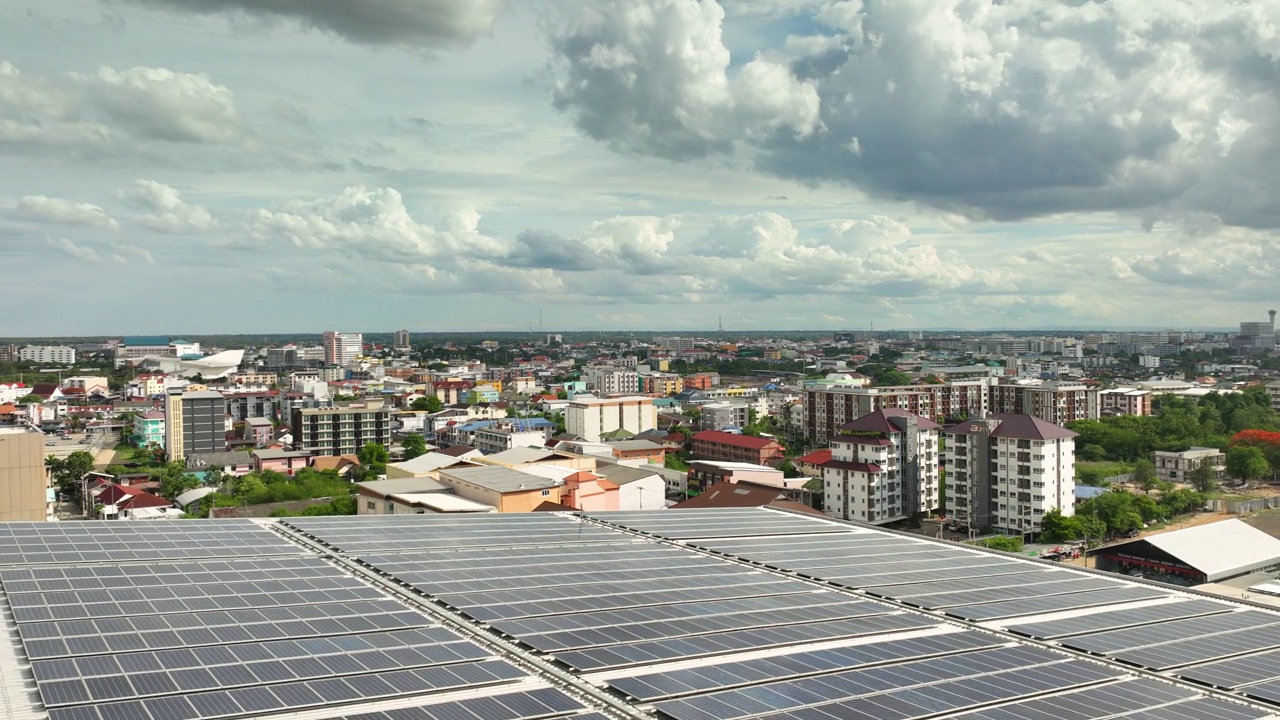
(195, 423)
(341, 430)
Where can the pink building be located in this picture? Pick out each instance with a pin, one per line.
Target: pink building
(587, 491)
(281, 461)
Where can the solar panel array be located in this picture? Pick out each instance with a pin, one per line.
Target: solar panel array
(1136, 624)
(29, 543)
(702, 615)
(189, 638)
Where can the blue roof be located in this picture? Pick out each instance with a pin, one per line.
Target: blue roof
(1085, 492)
(146, 340)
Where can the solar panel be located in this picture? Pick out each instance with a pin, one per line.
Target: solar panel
(1126, 699)
(374, 533)
(719, 523)
(111, 541)
(524, 705)
(905, 690)
(1199, 649)
(1054, 603)
(1032, 589)
(1109, 642)
(1115, 619)
(1236, 672)
(658, 686)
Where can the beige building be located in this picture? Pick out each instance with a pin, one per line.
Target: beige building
(412, 496)
(1176, 467)
(589, 418)
(502, 488)
(24, 483)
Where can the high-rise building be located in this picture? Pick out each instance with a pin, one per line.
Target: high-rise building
(342, 348)
(194, 423)
(1257, 337)
(60, 354)
(883, 468)
(827, 408)
(589, 417)
(612, 380)
(341, 430)
(1056, 402)
(24, 481)
(1004, 472)
(402, 340)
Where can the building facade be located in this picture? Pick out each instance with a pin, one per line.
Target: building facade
(612, 380)
(590, 418)
(1055, 402)
(1176, 467)
(342, 348)
(883, 468)
(148, 428)
(59, 354)
(341, 430)
(1004, 472)
(731, 447)
(194, 423)
(1124, 401)
(24, 482)
(402, 340)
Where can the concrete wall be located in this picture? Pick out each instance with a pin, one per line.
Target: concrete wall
(22, 476)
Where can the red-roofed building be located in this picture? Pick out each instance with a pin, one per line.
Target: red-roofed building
(718, 445)
(811, 465)
(884, 467)
(121, 500)
(584, 490)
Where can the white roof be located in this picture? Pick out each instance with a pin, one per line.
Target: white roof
(430, 462)
(1221, 549)
(443, 502)
(191, 496)
(727, 465)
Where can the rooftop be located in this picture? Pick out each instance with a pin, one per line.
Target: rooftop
(724, 438)
(500, 479)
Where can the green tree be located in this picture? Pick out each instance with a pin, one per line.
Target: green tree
(1116, 510)
(1007, 543)
(428, 403)
(414, 446)
(1092, 453)
(1144, 475)
(1056, 527)
(30, 399)
(373, 458)
(1202, 477)
(1246, 463)
(675, 462)
(174, 479)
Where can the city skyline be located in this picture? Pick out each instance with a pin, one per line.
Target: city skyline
(247, 166)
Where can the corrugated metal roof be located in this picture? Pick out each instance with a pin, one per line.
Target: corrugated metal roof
(1220, 550)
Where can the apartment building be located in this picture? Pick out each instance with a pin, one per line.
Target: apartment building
(883, 468)
(664, 384)
(1176, 467)
(24, 483)
(826, 409)
(87, 384)
(506, 435)
(1273, 390)
(342, 348)
(731, 447)
(1004, 472)
(611, 379)
(1125, 401)
(59, 354)
(721, 415)
(590, 418)
(402, 340)
(241, 406)
(342, 430)
(194, 423)
(1055, 402)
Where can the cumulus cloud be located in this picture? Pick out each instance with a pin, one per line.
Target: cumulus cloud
(164, 209)
(634, 243)
(375, 223)
(98, 113)
(66, 212)
(998, 109)
(72, 250)
(415, 23)
(653, 76)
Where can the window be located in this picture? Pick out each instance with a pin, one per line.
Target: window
(371, 505)
(391, 507)
(546, 493)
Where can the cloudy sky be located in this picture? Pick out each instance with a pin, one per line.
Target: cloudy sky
(191, 166)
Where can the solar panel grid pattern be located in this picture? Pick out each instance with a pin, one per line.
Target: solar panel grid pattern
(657, 686)
(719, 524)
(524, 705)
(905, 690)
(1054, 603)
(1115, 619)
(1200, 649)
(1130, 699)
(218, 638)
(1237, 672)
(373, 533)
(1112, 641)
(99, 541)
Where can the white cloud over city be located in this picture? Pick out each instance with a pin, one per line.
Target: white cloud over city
(274, 166)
